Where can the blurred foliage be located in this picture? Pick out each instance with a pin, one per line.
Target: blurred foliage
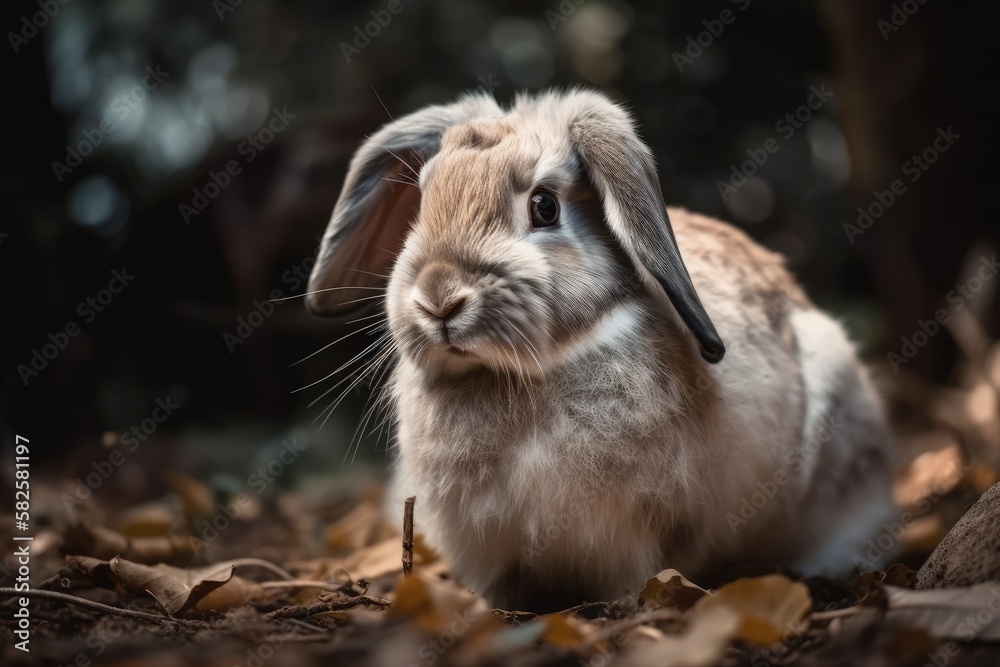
(225, 68)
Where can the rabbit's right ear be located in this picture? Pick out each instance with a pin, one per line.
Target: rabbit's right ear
(377, 205)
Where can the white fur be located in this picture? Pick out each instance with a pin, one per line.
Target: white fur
(563, 430)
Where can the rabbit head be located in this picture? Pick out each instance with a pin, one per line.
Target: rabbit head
(506, 237)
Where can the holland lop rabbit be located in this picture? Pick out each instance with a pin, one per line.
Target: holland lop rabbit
(569, 416)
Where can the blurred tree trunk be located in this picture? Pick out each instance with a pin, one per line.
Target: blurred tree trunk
(903, 72)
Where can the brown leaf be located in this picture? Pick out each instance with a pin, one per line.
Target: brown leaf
(381, 559)
(173, 588)
(89, 572)
(669, 588)
(234, 593)
(899, 575)
(155, 519)
(933, 473)
(104, 543)
(564, 630)
(363, 526)
(195, 496)
(965, 614)
(435, 605)
(769, 608)
(701, 644)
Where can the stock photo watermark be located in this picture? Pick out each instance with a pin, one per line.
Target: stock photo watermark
(696, 45)
(259, 481)
(224, 7)
(898, 17)
(562, 13)
(248, 149)
(967, 631)
(786, 126)
(294, 278)
(769, 488)
(30, 26)
(927, 329)
(59, 340)
(885, 543)
(130, 440)
(118, 111)
(913, 168)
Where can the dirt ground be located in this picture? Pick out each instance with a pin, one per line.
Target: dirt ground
(298, 578)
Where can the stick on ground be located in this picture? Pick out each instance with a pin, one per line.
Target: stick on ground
(408, 536)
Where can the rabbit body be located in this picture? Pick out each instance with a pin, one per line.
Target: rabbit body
(568, 417)
(632, 456)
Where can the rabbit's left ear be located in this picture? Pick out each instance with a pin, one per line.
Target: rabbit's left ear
(622, 171)
(379, 200)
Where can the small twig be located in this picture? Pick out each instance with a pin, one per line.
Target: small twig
(611, 630)
(333, 605)
(84, 602)
(260, 562)
(305, 583)
(831, 614)
(408, 536)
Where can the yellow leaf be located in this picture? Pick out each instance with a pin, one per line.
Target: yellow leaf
(562, 630)
(769, 608)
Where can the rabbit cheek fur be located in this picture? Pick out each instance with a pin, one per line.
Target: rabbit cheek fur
(561, 428)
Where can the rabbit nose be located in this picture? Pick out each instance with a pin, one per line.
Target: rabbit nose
(441, 311)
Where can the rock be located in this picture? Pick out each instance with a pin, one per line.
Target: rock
(970, 553)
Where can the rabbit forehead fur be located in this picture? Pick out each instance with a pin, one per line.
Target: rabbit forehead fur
(531, 299)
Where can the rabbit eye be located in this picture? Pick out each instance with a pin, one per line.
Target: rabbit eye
(544, 208)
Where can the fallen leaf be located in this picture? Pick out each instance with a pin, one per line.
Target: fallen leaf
(155, 519)
(232, 594)
(563, 629)
(769, 608)
(933, 473)
(899, 575)
(381, 559)
(964, 614)
(702, 643)
(669, 588)
(104, 543)
(173, 588)
(196, 498)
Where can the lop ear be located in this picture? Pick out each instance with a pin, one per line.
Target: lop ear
(377, 204)
(622, 171)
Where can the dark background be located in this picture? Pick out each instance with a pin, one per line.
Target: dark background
(163, 336)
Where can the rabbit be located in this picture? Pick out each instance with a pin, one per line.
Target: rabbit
(568, 415)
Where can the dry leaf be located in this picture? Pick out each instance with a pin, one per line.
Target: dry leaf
(234, 593)
(564, 630)
(964, 614)
(899, 575)
(156, 519)
(933, 473)
(196, 498)
(173, 588)
(87, 572)
(669, 588)
(443, 610)
(382, 558)
(769, 608)
(701, 644)
(363, 526)
(104, 543)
